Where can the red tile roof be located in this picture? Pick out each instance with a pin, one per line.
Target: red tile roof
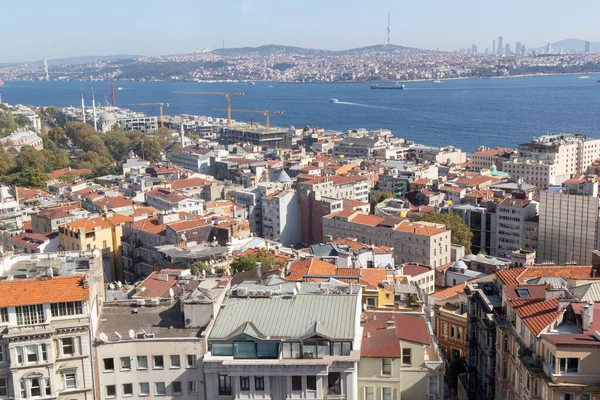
(312, 266)
(20, 292)
(57, 173)
(449, 292)
(537, 314)
(190, 182)
(89, 224)
(150, 225)
(414, 270)
(382, 341)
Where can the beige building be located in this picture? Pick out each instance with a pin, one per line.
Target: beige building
(552, 159)
(484, 158)
(418, 243)
(399, 359)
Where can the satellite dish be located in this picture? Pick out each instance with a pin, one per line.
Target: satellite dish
(111, 286)
(131, 334)
(171, 292)
(118, 335)
(119, 284)
(96, 253)
(103, 337)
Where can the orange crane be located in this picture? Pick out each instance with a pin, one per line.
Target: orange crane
(162, 122)
(227, 96)
(263, 112)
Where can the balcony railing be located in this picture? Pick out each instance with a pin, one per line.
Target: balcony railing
(529, 358)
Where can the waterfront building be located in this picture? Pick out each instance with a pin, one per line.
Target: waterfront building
(568, 222)
(420, 243)
(484, 157)
(243, 133)
(551, 159)
(358, 147)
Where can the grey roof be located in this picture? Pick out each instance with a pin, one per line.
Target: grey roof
(482, 258)
(512, 186)
(164, 321)
(474, 274)
(589, 292)
(404, 288)
(359, 141)
(284, 317)
(329, 250)
(284, 177)
(554, 281)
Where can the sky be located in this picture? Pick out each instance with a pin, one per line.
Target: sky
(34, 29)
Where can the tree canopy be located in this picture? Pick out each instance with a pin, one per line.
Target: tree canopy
(379, 196)
(247, 262)
(460, 232)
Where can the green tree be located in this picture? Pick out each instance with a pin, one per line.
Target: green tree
(57, 135)
(117, 144)
(265, 257)
(149, 149)
(460, 232)
(379, 196)
(7, 123)
(29, 157)
(56, 159)
(164, 136)
(7, 162)
(22, 120)
(30, 177)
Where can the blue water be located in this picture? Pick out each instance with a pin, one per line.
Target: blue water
(464, 113)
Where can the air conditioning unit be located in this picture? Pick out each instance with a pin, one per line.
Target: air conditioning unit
(251, 293)
(268, 293)
(242, 292)
(259, 293)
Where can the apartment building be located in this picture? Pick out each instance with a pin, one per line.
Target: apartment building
(481, 221)
(420, 243)
(10, 210)
(551, 159)
(358, 147)
(450, 307)
(284, 341)
(45, 343)
(483, 158)
(568, 222)
(399, 358)
(173, 200)
(429, 154)
(137, 122)
(421, 275)
(281, 217)
(255, 135)
(512, 216)
(194, 158)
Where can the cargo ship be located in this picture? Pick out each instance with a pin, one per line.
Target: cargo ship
(397, 86)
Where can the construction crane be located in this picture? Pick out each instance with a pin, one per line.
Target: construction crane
(227, 96)
(160, 105)
(263, 112)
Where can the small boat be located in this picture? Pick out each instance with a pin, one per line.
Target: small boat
(120, 88)
(252, 83)
(437, 81)
(584, 77)
(397, 86)
(333, 100)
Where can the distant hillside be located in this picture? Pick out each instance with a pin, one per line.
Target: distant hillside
(571, 46)
(76, 60)
(274, 49)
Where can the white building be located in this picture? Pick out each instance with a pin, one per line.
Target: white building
(512, 214)
(21, 137)
(552, 159)
(284, 341)
(32, 116)
(281, 217)
(175, 201)
(193, 158)
(45, 348)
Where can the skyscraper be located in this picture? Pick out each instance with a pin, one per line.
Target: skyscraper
(487, 51)
(523, 49)
(586, 47)
(500, 45)
(473, 49)
(518, 48)
(494, 46)
(507, 48)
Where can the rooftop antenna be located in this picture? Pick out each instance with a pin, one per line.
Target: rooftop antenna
(389, 30)
(94, 111)
(82, 107)
(46, 69)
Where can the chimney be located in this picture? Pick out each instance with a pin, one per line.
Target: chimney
(587, 316)
(391, 324)
(257, 267)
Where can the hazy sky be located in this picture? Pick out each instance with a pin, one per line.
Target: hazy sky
(34, 29)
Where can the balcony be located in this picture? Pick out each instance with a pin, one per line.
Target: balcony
(529, 359)
(28, 329)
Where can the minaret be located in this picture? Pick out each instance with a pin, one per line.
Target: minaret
(94, 111)
(82, 107)
(182, 136)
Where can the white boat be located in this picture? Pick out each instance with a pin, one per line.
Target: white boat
(333, 100)
(120, 88)
(584, 77)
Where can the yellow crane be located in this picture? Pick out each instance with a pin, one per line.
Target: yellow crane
(160, 105)
(227, 96)
(266, 113)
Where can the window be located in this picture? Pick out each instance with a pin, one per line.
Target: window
(244, 350)
(125, 363)
(459, 333)
(334, 383)
(369, 393)
(291, 350)
(342, 348)
(193, 386)
(144, 389)
(386, 393)
(296, 383)
(70, 379)
(160, 388)
(66, 308)
(109, 364)
(68, 346)
(568, 365)
(506, 343)
(406, 357)
(527, 381)
(127, 389)
(3, 314)
(311, 382)
(222, 349)
(177, 388)
(433, 384)
(259, 383)
(371, 302)
(175, 361)
(386, 366)
(268, 350)
(452, 331)
(244, 383)
(444, 329)
(31, 355)
(104, 244)
(505, 370)
(158, 362)
(30, 315)
(142, 362)
(44, 352)
(224, 384)
(111, 391)
(3, 387)
(190, 361)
